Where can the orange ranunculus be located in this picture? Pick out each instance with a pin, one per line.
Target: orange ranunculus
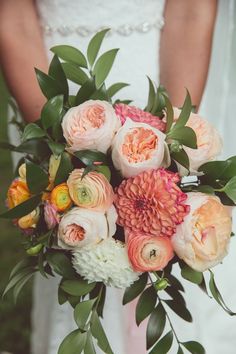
(18, 193)
(60, 197)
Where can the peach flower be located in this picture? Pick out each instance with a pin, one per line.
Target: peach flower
(30, 220)
(138, 147)
(209, 142)
(93, 191)
(81, 227)
(18, 193)
(91, 125)
(125, 111)
(202, 239)
(60, 197)
(149, 253)
(151, 203)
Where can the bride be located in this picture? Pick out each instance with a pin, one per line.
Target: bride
(170, 41)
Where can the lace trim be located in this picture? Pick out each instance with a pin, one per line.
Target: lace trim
(124, 30)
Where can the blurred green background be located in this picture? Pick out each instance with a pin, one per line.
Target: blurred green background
(14, 319)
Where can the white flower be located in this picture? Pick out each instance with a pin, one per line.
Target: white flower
(106, 262)
(81, 227)
(138, 147)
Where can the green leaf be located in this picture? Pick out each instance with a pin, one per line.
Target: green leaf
(82, 312)
(98, 333)
(56, 71)
(95, 45)
(37, 179)
(185, 112)
(61, 296)
(105, 170)
(180, 351)
(19, 286)
(22, 209)
(56, 148)
(206, 189)
(103, 66)
(184, 135)
(113, 89)
(6, 146)
(151, 96)
(100, 94)
(169, 114)
(181, 157)
(74, 343)
(175, 282)
(175, 294)
(88, 157)
(135, 289)
(49, 86)
(230, 189)
(51, 112)
(156, 325)
(61, 264)
(192, 275)
(64, 169)
(217, 295)
(34, 147)
(89, 347)
(85, 92)
(32, 131)
(146, 304)
(70, 54)
(194, 347)
(77, 287)
(16, 278)
(180, 309)
(74, 73)
(24, 263)
(164, 345)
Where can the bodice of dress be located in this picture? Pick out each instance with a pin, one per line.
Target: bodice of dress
(85, 17)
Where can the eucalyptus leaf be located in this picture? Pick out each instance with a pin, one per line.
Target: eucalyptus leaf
(74, 73)
(156, 325)
(98, 333)
(164, 345)
(135, 289)
(37, 179)
(61, 296)
(74, 343)
(77, 287)
(103, 66)
(113, 89)
(89, 347)
(51, 112)
(95, 45)
(146, 304)
(82, 312)
(23, 208)
(194, 347)
(70, 54)
(192, 275)
(32, 131)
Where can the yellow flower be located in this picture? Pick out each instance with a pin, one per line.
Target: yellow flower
(29, 220)
(22, 172)
(18, 192)
(60, 197)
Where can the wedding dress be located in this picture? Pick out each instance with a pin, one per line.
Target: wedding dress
(135, 29)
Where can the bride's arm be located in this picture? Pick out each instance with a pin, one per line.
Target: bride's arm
(21, 49)
(186, 47)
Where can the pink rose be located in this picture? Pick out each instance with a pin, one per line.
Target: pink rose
(202, 239)
(149, 253)
(51, 216)
(209, 142)
(125, 111)
(91, 125)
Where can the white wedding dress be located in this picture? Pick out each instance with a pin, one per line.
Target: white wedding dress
(136, 27)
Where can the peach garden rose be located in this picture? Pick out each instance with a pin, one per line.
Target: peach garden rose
(91, 125)
(202, 239)
(138, 147)
(93, 191)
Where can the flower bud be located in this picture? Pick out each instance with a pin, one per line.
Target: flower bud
(34, 251)
(161, 284)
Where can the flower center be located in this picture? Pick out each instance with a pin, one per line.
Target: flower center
(139, 144)
(140, 204)
(84, 195)
(92, 118)
(75, 233)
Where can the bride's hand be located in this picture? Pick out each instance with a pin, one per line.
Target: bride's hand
(185, 51)
(22, 49)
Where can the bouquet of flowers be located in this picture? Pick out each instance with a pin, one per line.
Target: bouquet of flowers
(108, 194)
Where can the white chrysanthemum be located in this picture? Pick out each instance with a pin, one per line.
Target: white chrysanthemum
(106, 262)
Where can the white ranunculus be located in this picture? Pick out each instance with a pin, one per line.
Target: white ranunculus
(91, 125)
(138, 147)
(105, 262)
(82, 227)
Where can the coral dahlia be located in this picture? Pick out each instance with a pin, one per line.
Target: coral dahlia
(123, 111)
(151, 202)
